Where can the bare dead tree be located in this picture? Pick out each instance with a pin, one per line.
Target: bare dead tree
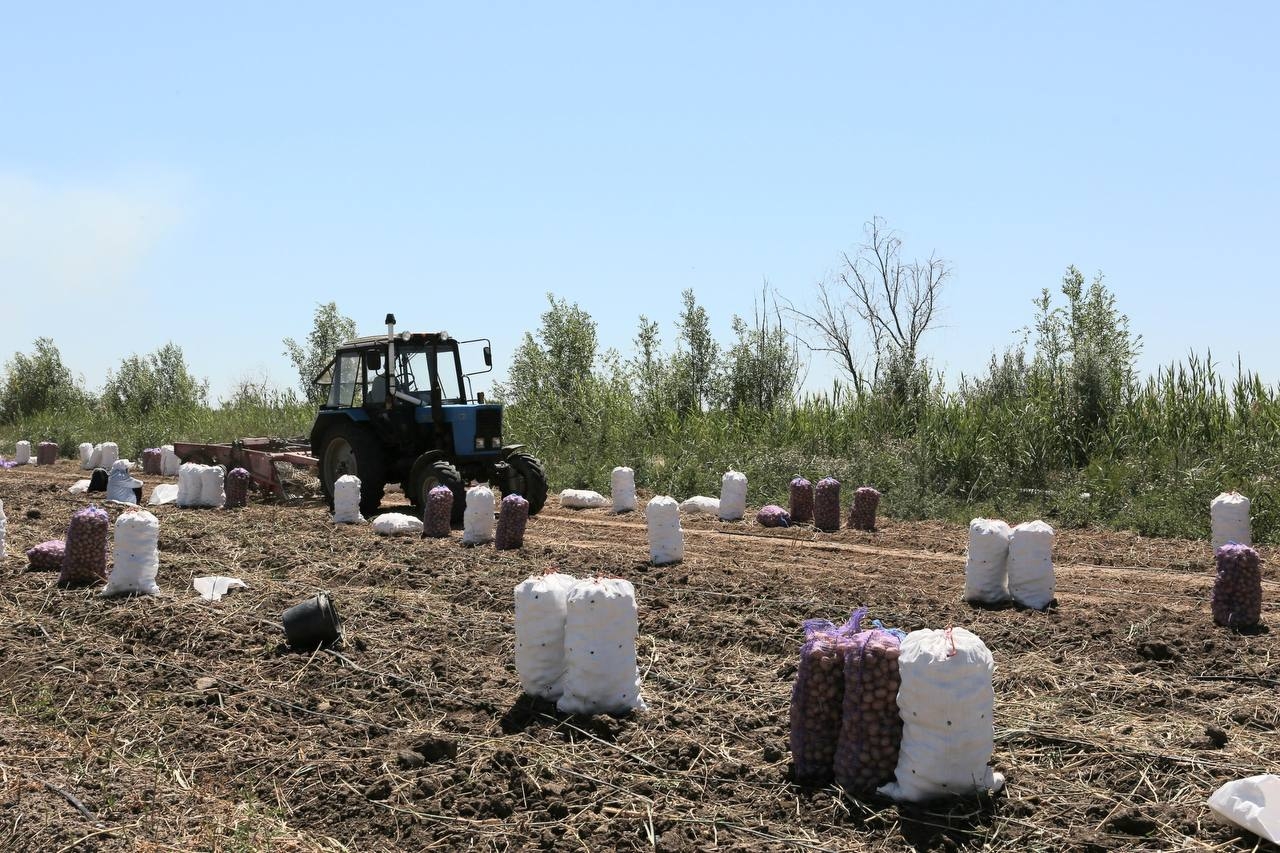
(896, 300)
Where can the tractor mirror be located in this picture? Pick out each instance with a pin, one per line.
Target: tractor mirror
(373, 360)
(488, 357)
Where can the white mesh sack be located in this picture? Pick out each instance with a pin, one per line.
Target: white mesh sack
(86, 455)
(95, 457)
(662, 520)
(622, 489)
(700, 503)
(986, 568)
(4, 529)
(582, 499)
(169, 461)
(946, 701)
(188, 484)
(733, 496)
(110, 453)
(346, 500)
(540, 616)
(136, 555)
(1229, 519)
(397, 524)
(1031, 564)
(22, 453)
(477, 518)
(600, 630)
(212, 485)
(120, 483)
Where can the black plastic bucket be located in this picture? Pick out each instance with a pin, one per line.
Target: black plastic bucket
(312, 624)
(98, 480)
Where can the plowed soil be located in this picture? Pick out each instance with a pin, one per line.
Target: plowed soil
(172, 723)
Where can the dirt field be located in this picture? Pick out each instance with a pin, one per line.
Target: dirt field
(171, 723)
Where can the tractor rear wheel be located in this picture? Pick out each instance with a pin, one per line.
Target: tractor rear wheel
(426, 475)
(527, 479)
(350, 448)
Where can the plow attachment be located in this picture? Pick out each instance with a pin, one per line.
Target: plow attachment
(258, 456)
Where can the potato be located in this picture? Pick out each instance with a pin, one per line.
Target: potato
(1236, 600)
(84, 559)
(512, 519)
(871, 728)
(826, 504)
(237, 489)
(47, 556)
(438, 512)
(862, 515)
(816, 702)
(801, 494)
(772, 515)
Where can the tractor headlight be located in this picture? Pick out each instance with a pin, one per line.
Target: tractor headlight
(479, 443)
(495, 442)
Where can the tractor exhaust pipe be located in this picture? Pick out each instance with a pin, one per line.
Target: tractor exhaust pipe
(391, 361)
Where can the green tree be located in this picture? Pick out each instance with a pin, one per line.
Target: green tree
(557, 364)
(162, 380)
(762, 368)
(38, 382)
(696, 358)
(329, 329)
(1085, 359)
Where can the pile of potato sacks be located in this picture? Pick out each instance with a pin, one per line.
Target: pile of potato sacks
(844, 712)
(904, 715)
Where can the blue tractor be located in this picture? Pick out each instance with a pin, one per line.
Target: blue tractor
(398, 409)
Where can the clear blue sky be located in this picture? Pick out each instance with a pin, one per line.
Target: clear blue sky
(209, 176)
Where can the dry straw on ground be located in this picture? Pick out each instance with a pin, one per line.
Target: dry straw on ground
(173, 724)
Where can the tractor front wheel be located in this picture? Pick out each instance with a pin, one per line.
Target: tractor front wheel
(350, 448)
(428, 473)
(527, 479)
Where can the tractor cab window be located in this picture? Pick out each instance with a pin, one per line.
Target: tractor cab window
(415, 373)
(345, 377)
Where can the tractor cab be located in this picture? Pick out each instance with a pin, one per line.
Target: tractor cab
(398, 409)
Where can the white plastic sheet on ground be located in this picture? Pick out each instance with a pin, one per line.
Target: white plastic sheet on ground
(700, 503)
(1252, 804)
(136, 555)
(79, 487)
(947, 702)
(1031, 580)
(582, 499)
(212, 588)
(662, 522)
(397, 524)
(540, 618)
(986, 568)
(1229, 519)
(733, 496)
(163, 493)
(622, 489)
(600, 630)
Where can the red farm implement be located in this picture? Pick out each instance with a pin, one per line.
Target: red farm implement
(258, 456)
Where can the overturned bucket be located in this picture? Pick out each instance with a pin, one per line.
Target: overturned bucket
(312, 624)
